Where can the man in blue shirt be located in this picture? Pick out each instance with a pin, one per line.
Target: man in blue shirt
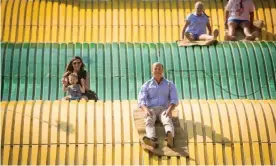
(157, 98)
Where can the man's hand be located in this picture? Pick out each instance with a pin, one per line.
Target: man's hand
(167, 113)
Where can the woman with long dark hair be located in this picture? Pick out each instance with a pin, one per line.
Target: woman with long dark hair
(77, 66)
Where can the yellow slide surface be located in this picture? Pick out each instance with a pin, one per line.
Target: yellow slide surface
(113, 20)
(62, 132)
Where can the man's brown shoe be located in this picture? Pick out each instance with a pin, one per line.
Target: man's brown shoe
(169, 138)
(150, 141)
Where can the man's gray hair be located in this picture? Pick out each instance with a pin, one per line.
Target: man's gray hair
(157, 63)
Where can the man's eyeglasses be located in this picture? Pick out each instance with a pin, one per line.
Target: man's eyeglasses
(74, 63)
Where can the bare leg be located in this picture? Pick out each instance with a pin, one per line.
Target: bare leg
(209, 37)
(205, 37)
(84, 98)
(66, 98)
(231, 31)
(247, 31)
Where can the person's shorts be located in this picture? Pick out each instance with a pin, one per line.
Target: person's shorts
(196, 36)
(237, 21)
(75, 98)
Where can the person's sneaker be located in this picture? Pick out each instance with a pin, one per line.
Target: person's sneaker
(169, 139)
(150, 141)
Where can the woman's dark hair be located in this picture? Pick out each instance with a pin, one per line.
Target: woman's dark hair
(69, 67)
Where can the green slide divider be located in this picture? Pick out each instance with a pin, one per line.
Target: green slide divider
(228, 70)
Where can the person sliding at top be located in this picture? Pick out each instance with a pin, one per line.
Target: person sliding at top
(239, 13)
(195, 26)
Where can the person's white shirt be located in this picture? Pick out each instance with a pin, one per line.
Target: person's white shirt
(238, 13)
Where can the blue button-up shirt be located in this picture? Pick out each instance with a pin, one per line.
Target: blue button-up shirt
(153, 94)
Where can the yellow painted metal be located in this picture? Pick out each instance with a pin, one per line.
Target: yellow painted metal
(210, 154)
(188, 120)
(224, 121)
(241, 121)
(36, 122)
(247, 154)
(72, 122)
(46, 122)
(55, 21)
(99, 123)
(216, 125)
(260, 15)
(273, 13)
(7, 129)
(273, 148)
(3, 7)
(268, 20)
(72, 152)
(117, 121)
(90, 154)
(53, 120)
(228, 154)
(15, 154)
(48, 23)
(215, 15)
(196, 114)
(41, 23)
(4, 105)
(34, 155)
(62, 154)
(218, 154)
(5, 153)
(249, 115)
(237, 154)
(112, 21)
(7, 20)
(62, 132)
(53, 154)
(42, 155)
(269, 120)
(27, 122)
(200, 156)
(234, 123)
(102, 21)
(17, 122)
(164, 160)
(24, 155)
(192, 155)
(14, 21)
(206, 122)
(221, 21)
(34, 22)
(126, 127)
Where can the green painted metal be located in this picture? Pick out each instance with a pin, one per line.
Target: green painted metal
(229, 70)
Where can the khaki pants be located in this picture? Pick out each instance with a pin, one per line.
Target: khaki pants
(157, 112)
